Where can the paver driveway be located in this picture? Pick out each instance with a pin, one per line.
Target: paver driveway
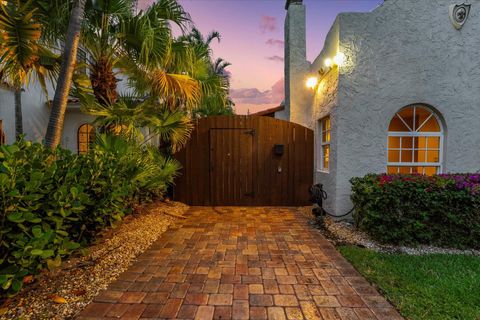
(241, 263)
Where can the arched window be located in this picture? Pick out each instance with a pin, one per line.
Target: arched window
(85, 137)
(415, 142)
(2, 134)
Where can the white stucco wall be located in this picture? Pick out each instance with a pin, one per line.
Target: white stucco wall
(404, 52)
(36, 114)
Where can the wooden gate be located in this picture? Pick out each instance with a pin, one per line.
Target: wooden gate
(246, 161)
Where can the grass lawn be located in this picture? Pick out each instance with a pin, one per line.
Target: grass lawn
(423, 287)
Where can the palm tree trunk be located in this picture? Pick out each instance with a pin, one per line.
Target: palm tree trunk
(18, 113)
(57, 115)
(104, 82)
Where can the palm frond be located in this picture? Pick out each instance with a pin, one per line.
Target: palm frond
(129, 114)
(213, 35)
(18, 40)
(169, 11)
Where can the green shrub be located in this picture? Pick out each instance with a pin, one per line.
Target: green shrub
(442, 210)
(53, 202)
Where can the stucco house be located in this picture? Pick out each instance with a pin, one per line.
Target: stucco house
(78, 130)
(393, 90)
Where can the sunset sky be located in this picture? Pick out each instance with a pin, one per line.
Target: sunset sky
(252, 40)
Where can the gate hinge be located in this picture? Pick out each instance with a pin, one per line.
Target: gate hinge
(250, 132)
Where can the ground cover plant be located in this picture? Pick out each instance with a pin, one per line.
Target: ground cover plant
(442, 210)
(53, 201)
(436, 286)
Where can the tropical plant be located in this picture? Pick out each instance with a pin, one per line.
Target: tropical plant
(130, 118)
(22, 55)
(53, 201)
(214, 81)
(64, 82)
(118, 39)
(121, 42)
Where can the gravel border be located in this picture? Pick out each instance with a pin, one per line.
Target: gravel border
(345, 233)
(81, 278)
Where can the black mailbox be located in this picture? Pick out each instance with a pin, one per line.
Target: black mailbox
(278, 149)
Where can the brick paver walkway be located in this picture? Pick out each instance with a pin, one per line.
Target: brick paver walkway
(241, 263)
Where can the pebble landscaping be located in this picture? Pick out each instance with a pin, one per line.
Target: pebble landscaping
(241, 263)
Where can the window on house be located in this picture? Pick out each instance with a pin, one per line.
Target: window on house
(81, 61)
(325, 130)
(86, 136)
(415, 142)
(2, 134)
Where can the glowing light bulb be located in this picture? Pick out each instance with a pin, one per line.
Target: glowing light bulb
(339, 59)
(312, 82)
(328, 62)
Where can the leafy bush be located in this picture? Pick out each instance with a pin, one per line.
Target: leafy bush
(53, 202)
(442, 210)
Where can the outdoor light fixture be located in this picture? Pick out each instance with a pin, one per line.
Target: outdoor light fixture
(337, 61)
(330, 63)
(312, 82)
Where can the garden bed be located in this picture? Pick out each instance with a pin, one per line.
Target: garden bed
(64, 292)
(344, 233)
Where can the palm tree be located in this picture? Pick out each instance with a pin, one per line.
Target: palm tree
(119, 39)
(21, 53)
(169, 77)
(159, 70)
(57, 115)
(215, 83)
(128, 115)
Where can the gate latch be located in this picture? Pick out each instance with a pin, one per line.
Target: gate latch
(250, 132)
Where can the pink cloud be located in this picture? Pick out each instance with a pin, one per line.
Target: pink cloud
(268, 24)
(276, 43)
(249, 97)
(276, 58)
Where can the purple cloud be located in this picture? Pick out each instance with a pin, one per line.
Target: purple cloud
(268, 24)
(276, 58)
(276, 43)
(143, 4)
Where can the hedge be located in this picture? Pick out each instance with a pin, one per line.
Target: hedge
(442, 210)
(53, 201)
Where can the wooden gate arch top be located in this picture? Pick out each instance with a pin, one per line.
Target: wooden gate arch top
(246, 161)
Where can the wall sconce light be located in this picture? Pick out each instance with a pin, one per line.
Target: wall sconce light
(336, 61)
(312, 82)
(330, 63)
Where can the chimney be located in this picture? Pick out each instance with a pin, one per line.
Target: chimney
(296, 65)
(289, 2)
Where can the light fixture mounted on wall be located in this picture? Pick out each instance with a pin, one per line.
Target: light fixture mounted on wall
(312, 82)
(337, 61)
